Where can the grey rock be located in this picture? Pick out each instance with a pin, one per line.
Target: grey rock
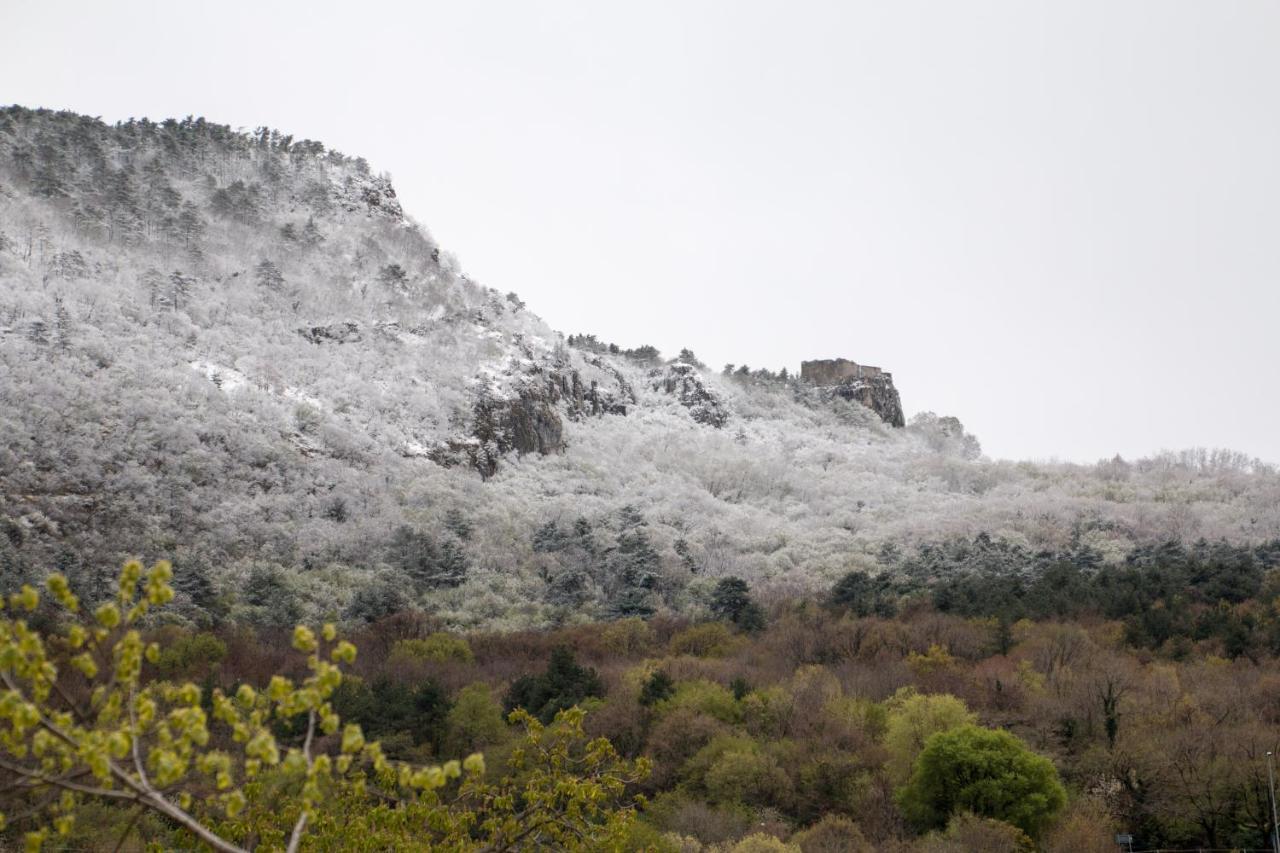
(334, 333)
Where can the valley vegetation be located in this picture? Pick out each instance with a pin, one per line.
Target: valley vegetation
(866, 719)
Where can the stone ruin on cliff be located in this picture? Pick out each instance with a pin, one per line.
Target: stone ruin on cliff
(861, 383)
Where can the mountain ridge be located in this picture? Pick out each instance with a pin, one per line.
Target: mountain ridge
(238, 351)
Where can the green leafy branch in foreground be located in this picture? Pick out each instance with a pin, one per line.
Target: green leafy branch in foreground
(78, 721)
(563, 792)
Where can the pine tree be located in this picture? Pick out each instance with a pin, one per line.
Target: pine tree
(564, 684)
(180, 286)
(121, 204)
(311, 234)
(190, 226)
(268, 275)
(427, 563)
(153, 282)
(69, 265)
(660, 686)
(632, 566)
(62, 323)
(456, 523)
(195, 582)
(549, 538)
(38, 332)
(731, 602)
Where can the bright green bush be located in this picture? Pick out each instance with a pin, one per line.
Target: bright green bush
(912, 719)
(704, 697)
(736, 769)
(189, 655)
(436, 648)
(990, 773)
(475, 720)
(708, 640)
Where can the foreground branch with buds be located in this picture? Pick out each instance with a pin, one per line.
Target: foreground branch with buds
(83, 717)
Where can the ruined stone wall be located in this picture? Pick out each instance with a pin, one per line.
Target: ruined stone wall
(870, 386)
(833, 371)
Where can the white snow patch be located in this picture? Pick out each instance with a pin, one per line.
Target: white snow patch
(303, 397)
(227, 378)
(415, 449)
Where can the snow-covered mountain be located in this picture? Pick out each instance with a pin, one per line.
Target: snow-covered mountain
(236, 350)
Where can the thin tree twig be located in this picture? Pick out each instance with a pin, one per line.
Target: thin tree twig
(295, 838)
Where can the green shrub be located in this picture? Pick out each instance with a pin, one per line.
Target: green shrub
(709, 640)
(191, 656)
(704, 697)
(436, 648)
(475, 721)
(988, 772)
(833, 834)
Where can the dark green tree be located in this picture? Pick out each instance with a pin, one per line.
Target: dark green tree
(429, 563)
(862, 594)
(731, 601)
(659, 686)
(565, 683)
(396, 712)
(632, 566)
(375, 601)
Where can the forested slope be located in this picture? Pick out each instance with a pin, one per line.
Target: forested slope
(235, 350)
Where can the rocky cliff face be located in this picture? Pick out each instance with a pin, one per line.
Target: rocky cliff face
(525, 414)
(685, 382)
(860, 383)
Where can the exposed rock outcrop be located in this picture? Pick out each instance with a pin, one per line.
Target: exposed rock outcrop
(525, 423)
(584, 398)
(686, 383)
(334, 333)
(860, 383)
(527, 418)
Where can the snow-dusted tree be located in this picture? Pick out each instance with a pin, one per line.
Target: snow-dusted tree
(154, 284)
(268, 275)
(632, 566)
(311, 235)
(190, 225)
(180, 286)
(62, 323)
(393, 275)
(69, 265)
(38, 332)
(428, 563)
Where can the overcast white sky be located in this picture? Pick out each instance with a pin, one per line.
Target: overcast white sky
(1059, 222)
